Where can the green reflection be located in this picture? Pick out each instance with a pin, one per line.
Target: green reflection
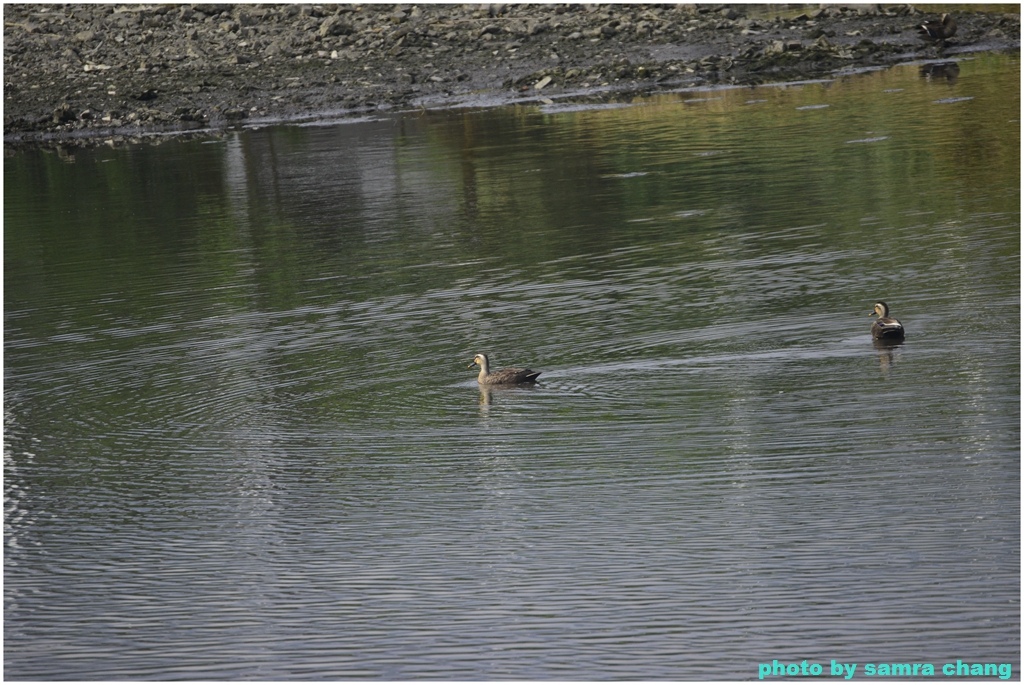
(354, 225)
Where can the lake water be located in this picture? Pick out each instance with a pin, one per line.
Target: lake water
(242, 441)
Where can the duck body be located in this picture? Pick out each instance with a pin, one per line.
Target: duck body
(938, 29)
(504, 376)
(886, 327)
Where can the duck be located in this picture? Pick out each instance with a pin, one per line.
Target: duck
(885, 327)
(502, 377)
(938, 29)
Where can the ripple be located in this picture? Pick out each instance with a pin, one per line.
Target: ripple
(279, 466)
(875, 139)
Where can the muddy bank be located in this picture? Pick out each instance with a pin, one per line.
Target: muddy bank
(89, 72)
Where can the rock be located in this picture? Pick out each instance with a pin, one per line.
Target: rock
(212, 9)
(246, 19)
(335, 26)
(538, 28)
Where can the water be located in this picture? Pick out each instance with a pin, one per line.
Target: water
(241, 440)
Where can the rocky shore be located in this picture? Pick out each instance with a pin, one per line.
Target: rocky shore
(95, 72)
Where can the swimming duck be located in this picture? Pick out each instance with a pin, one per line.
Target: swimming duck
(885, 327)
(938, 29)
(503, 377)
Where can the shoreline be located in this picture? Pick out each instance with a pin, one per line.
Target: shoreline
(89, 74)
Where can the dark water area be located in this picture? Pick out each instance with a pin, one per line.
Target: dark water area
(241, 440)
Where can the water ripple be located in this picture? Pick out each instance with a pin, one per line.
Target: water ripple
(279, 466)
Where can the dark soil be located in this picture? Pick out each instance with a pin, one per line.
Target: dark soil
(88, 73)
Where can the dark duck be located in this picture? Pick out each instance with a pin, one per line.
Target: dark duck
(938, 30)
(504, 376)
(886, 327)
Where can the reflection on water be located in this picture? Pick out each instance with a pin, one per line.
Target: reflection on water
(241, 440)
(948, 71)
(888, 351)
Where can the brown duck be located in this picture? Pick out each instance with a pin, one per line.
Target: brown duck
(885, 327)
(504, 376)
(938, 29)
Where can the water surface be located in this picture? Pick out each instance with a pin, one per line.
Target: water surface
(241, 440)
